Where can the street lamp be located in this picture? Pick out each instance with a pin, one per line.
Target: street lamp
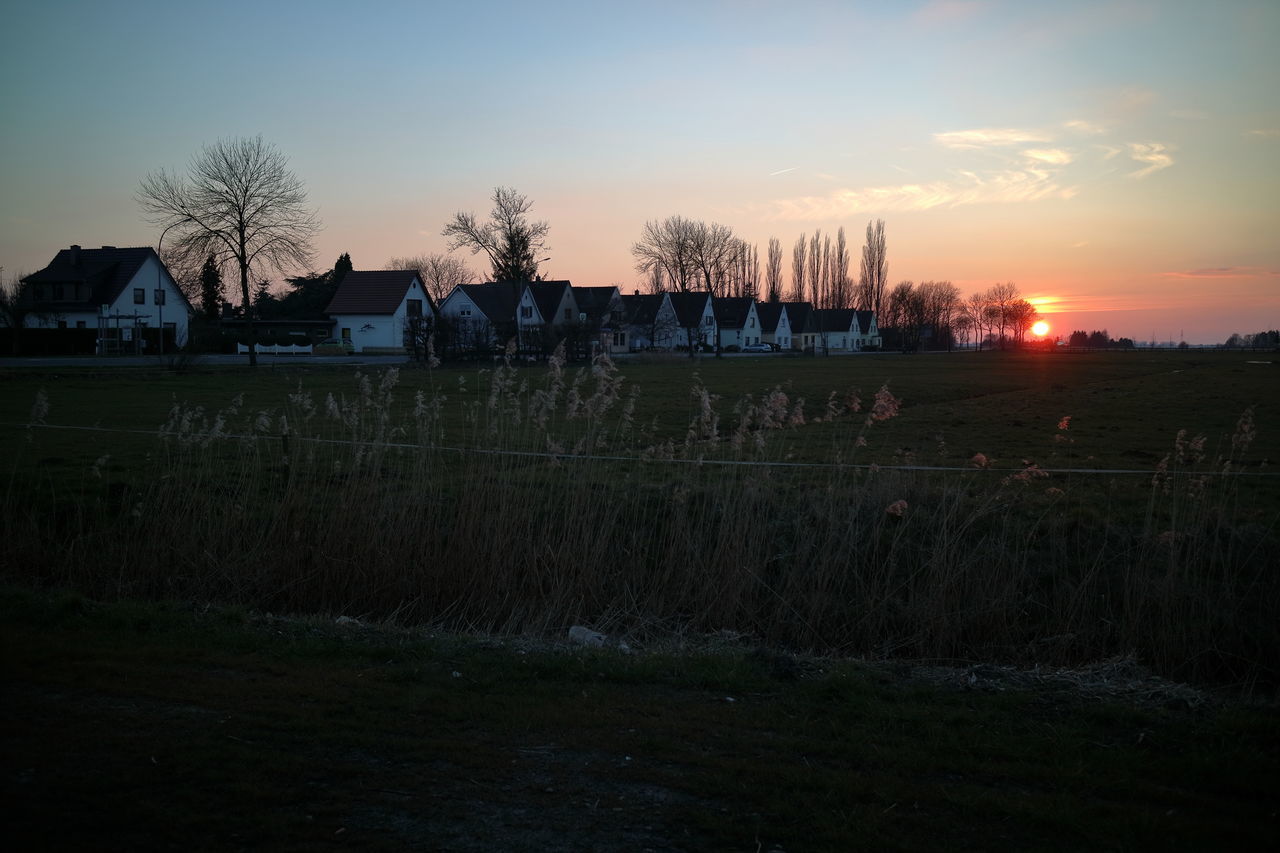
(158, 297)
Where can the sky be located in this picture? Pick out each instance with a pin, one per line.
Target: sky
(1118, 161)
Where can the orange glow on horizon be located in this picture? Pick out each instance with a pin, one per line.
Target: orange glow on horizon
(1040, 329)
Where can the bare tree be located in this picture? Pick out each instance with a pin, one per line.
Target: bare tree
(510, 241)
(666, 250)
(840, 285)
(1000, 300)
(773, 271)
(875, 272)
(798, 252)
(940, 300)
(440, 273)
(240, 204)
(713, 248)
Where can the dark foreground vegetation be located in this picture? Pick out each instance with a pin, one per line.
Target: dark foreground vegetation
(426, 498)
(131, 726)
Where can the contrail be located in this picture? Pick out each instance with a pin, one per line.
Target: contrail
(783, 171)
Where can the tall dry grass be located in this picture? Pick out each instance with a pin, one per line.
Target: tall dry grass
(351, 504)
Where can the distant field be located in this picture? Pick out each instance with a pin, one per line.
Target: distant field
(1125, 408)
(937, 506)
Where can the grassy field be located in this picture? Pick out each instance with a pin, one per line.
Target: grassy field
(409, 495)
(135, 725)
(1125, 408)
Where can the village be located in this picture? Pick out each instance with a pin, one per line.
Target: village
(113, 300)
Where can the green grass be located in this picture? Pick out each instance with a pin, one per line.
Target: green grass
(148, 725)
(1125, 407)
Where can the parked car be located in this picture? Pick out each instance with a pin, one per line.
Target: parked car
(336, 343)
(762, 347)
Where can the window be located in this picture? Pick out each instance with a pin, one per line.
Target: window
(526, 312)
(139, 296)
(619, 339)
(751, 322)
(708, 321)
(62, 324)
(80, 324)
(568, 314)
(346, 334)
(464, 312)
(414, 307)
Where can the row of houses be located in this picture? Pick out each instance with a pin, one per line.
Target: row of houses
(376, 310)
(122, 293)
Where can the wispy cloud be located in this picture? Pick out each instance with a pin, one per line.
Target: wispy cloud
(1052, 156)
(1154, 154)
(1001, 187)
(783, 171)
(1224, 272)
(1080, 125)
(1265, 132)
(989, 136)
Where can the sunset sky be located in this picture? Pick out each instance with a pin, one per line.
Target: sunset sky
(1118, 161)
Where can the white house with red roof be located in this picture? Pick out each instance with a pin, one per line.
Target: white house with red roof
(373, 309)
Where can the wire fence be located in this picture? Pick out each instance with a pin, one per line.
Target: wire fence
(573, 457)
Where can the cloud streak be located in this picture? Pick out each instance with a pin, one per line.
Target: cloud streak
(1154, 154)
(988, 137)
(1004, 187)
(1223, 272)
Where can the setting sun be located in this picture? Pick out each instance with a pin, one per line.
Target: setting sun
(1040, 329)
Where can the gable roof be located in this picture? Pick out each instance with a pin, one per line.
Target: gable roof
(770, 313)
(496, 300)
(374, 292)
(106, 272)
(800, 316)
(835, 319)
(642, 308)
(595, 301)
(547, 295)
(865, 319)
(689, 307)
(732, 311)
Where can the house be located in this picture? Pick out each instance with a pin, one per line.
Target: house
(837, 329)
(868, 332)
(601, 311)
(547, 312)
(651, 321)
(775, 325)
(804, 326)
(481, 316)
(379, 310)
(125, 294)
(737, 323)
(695, 319)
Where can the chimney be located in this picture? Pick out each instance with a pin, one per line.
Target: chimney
(75, 255)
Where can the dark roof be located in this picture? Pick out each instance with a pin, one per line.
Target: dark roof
(642, 308)
(732, 311)
(594, 301)
(864, 321)
(106, 272)
(800, 316)
(373, 292)
(496, 300)
(835, 319)
(689, 307)
(547, 296)
(770, 313)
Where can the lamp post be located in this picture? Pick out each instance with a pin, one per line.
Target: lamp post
(159, 297)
